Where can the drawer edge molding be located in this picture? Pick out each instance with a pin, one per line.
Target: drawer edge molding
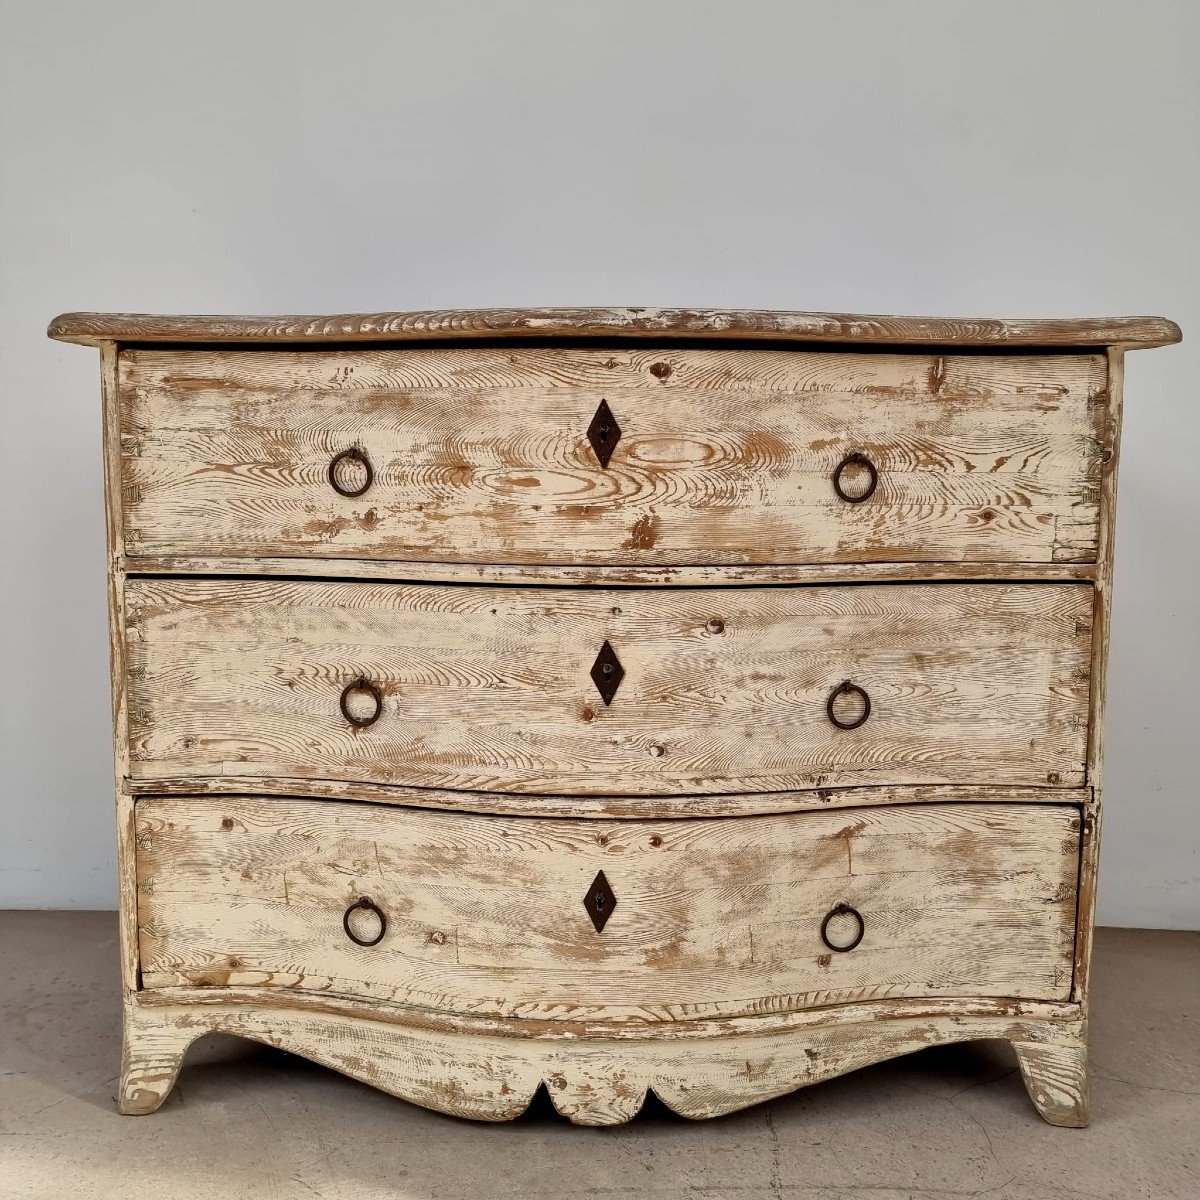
(383, 570)
(658, 808)
(493, 1075)
(878, 1011)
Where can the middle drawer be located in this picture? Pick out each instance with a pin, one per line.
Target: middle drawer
(606, 691)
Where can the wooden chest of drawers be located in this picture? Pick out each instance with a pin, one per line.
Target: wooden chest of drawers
(614, 700)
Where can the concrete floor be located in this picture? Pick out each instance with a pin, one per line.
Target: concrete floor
(249, 1121)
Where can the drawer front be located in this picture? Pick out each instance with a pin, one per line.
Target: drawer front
(496, 916)
(483, 455)
(708, 690)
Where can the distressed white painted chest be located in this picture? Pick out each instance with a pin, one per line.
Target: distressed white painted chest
(704, 702)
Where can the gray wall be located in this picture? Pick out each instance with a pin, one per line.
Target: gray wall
(1019, 159)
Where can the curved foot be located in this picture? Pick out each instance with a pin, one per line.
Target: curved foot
(151, 1056)
(1055, 1075)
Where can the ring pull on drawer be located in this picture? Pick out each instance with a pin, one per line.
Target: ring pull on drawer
(361, 719)
(364, 471)
(364, 922)
(848, 689)
(857, 493)
(854, 935)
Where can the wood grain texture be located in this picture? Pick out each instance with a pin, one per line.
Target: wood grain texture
(725, 456)
(486, 914)
(115, 545)
(489, 688)
(492, 1077)
(1101, 621)
(291, 1000)
(1055, 1075)
(997, 460)
(444, 324)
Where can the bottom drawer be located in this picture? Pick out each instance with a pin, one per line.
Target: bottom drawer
(510, 916)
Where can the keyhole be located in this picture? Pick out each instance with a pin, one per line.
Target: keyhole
(604, 433)
(607, 669)
(599, 903)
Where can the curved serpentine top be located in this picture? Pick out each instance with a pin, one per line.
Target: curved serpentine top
(91, 329)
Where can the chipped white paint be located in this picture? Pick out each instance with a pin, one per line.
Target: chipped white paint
(490, 688)
(486, 915)
(962, 819)
(723, 456)
(712, 324)
(491, 1075)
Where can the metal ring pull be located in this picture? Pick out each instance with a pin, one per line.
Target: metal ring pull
(855, 460)
(361, 684)
(367, 904)
(848, 689)
(842, 910)
(354, 454)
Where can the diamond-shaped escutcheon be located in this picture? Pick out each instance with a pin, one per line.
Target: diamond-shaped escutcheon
(607, 673)
(604, 433)
(600, 901)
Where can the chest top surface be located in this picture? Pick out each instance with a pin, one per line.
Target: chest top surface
(753, 324)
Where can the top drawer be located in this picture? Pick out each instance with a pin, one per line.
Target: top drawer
(697, 456)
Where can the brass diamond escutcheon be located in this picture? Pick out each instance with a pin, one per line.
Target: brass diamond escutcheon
(600, 902)
(607, 673)
(604, 433)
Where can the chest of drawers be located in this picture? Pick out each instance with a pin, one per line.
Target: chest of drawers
(612, 700)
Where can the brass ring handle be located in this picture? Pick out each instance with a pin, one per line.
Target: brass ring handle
(842, 910)
(366, 903)
(354, 454)
(361, 684)
(855, 460)
(848, 689)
